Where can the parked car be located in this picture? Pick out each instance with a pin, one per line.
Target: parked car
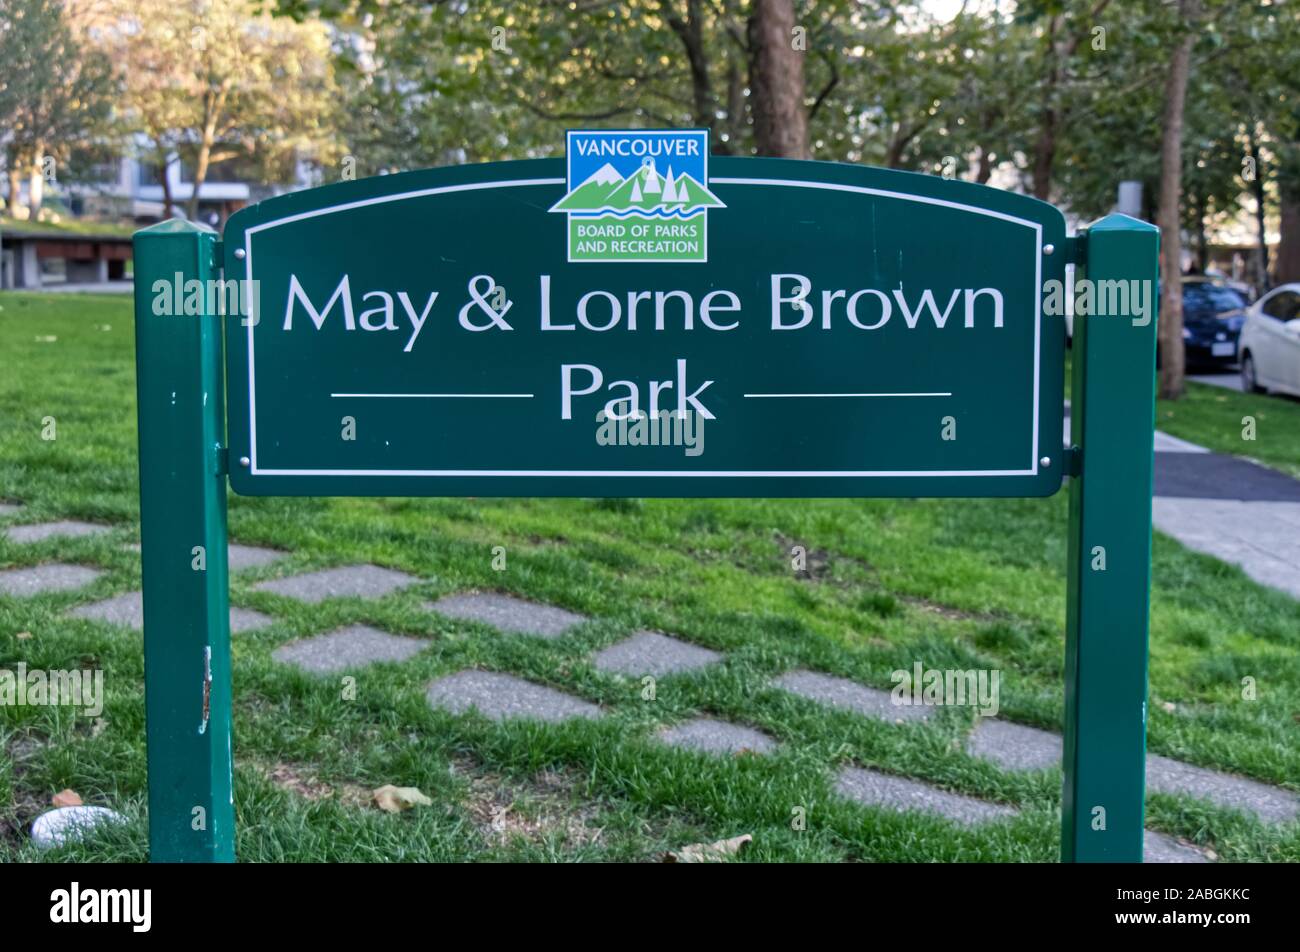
(1270, 342)
(1246, 289)
(1213, 315)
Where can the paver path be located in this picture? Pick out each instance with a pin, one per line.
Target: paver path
(500, 696)
(651, 653)
(353, 647)
(874, 788)
(717, 737)
(128, 610)
(1018, 747)
(508, 613)
(40, 531)
(345, 581)
(50, 577)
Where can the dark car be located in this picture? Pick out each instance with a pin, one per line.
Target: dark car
(1213, 315)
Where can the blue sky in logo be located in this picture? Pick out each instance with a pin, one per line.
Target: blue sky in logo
(685, 151)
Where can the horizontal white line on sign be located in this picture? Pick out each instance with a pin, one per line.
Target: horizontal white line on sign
(759, 395)
(642, 472)
(440, 396)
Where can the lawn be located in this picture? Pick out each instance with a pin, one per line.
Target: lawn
(1217, 419)
(953, 584)
(68, 226)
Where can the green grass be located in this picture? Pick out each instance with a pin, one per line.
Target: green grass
(69, 226)
(954, 584)
(1216, 419)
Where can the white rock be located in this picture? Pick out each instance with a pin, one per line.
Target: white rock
(67, 824)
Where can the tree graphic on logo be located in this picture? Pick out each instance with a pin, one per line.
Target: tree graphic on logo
(645, 190)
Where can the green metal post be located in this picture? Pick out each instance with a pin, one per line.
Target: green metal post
(183, 536)
(1108, 612)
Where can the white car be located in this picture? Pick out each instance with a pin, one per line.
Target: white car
(1270, 342)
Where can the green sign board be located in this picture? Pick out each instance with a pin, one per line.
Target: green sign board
(824, 330)
(641, 319)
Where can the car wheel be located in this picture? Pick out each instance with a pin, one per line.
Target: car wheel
(1248, 382)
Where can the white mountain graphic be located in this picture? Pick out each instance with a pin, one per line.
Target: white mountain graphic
(605, 175)
(645, 189)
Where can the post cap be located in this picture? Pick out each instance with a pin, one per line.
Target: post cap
(176, 226)
(1117, 221)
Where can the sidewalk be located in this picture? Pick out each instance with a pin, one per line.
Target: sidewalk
(1230, 508)
(81, 287)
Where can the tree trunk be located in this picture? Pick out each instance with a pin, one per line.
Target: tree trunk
(169, 204)
(35, 188)
(1173, 357)
(1045, 156)
(1202, 249)
(776, 82)
(735, 105)
(1262, 283)
(1045, 143)
(200, 173)
(690, 32)
(1288, 249)
(15, 185)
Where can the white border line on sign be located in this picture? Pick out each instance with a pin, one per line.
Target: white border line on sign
(252, 322)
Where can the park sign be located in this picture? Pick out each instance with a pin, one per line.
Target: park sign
(644, 319)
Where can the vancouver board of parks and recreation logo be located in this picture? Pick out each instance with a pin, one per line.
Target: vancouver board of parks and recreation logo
(638, 195)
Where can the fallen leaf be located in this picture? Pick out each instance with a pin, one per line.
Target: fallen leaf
(23, 635)
(392, 799)
(708, 852)
(66, 798)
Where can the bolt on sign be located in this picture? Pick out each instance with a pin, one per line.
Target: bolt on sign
(643, 318)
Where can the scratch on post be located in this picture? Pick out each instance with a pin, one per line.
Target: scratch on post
(207, 687)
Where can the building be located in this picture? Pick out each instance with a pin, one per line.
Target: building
(134, 190)
(42, 254)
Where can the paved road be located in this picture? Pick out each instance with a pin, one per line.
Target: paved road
(1228, 381)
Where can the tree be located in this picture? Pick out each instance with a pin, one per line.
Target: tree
(221, 81)
(153, 112)
(504, 78)
(776, 81)
(1170, 329)
(1273, 80)
(1288, 250)
(1064, 25)
(54, 92)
